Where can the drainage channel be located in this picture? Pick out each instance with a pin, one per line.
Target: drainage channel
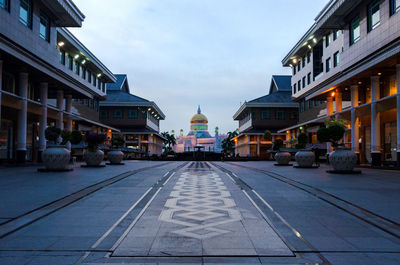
(382, 223)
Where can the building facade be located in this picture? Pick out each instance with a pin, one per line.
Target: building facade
(41, 72)
(354, 68)
(138, 119)
(272, 112)
(199, 136)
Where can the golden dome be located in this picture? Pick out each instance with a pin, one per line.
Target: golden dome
(198, 117)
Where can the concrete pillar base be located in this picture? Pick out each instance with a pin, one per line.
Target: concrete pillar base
(376, 159)
(21, 156)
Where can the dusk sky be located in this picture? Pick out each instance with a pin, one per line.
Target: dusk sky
(185, 53)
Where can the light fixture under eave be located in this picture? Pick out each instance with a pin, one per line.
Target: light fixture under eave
(309, 46)
(314, 40)
(294, 60)
(149, 109)
(76, 56)
(84, 61)
(61, 43)
(98, 75)
(333, 94)
(379, 73)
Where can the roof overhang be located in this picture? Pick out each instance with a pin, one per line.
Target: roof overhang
(264, 105)
(75, 117)
(149, 104)
(66, 13)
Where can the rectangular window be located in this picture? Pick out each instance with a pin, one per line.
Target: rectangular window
(92, 104)
(328, 65)
(77, 68)
(44, 27)
(253, 115)
(310, 104)
(89, 76)
(335, 34)
(280, 115)
(87, 102)
(99, 84)
(304, 81)
(118, 114)
(96, 105)
(70, 62)
(374, 16)
(62, 56)
(298, 67)
(303, 61)
(305, 105)
(294, 69)
(82, 101)
(301, 107)
(394, 6)
(355, 30)
(103, 88)
(308, 56)
(25, 13)
(294, 89)
(103, 114)
(265, 115)
(327, 40)
(94, 80)
(5, 4)
(293, 115)
(133, 114)
(299, 85)
(335, 59)
(309, 78)
(83, 72)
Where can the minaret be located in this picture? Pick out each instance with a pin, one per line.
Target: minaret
(198, 110)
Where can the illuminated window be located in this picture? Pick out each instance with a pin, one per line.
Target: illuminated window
(5, 4)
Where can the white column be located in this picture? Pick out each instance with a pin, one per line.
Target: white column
(68, 109)
(398, 111)
(258, 145)
(329, 105)
(248, 145)
(1, 82)
(355, 130)
(338, 103)
(60, 106)
(43, 117)
(375, 116)
(22, 116)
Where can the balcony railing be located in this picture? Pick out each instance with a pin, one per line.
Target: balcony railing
(245, 123)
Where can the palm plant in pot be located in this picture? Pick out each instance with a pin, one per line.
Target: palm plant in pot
(342, 159)
(56, 156)
(94, 156)
(115, 155)
(281, 157)
(304, 158)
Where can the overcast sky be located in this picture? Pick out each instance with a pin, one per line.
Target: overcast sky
(184, 53)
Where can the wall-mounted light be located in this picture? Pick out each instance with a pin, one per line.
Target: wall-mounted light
(359, 83)
(314, 40)
(76, 56)
(333, 94)
(309, 46)
(379, 73)
(301, 128)
(294, 60)
(84, 61)
(61, 43)
(98, 75)
(291, 65)
(149, 109)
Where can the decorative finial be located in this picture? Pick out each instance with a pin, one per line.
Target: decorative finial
(198, 110)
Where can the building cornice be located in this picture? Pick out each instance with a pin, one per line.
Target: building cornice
(264, 105)
(152, 104)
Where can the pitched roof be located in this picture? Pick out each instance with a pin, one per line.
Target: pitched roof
(283, 82)
(121, 96)
(121, 78)
(276, 97)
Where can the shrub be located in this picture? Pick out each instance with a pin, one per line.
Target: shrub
(76, 137)
(267, 135)
(302, 141)
(52, 134)
(94, 140)
(117, 141)
(66, 136)
(278, 144)
(333, 132)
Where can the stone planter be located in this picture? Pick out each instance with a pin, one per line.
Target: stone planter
(115, 156)
(305, 158)
(56, 157)
(93, 158)
(343, 159)
(283, 158)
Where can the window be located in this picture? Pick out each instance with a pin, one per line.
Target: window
(355, 30)
(294, 89)
(304, 82)
(310, 104)
(25, 13)
(328, 65)
(253, 115)
(327, 39)
(5, 4)
(89, 76)
(87, 102)
(103, 114)
(305, 105)
(44, 27)
(298, 66)
(394, 6)
(133, 114)
(280, 115)
(293, 115)
(62, 57)
(96, 105)
(309, 78)
(103, 87)
(118, 114)
(303, 61)
(336, 59)
(77, 68)
(83, 72)
(301, 107)
(99, 84)
(265, 115)
(94, 80)
(70, 62)
(308, 56)
(299, 85)
(335, 34)
(294, 69)
(374, 16)
(82, 101)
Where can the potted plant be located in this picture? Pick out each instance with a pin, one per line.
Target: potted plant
(56, 156)
(94, 156)
(267, 135)
(282, 157)
(342, 159)
(304, 158)
(76, 137)
(115, 155)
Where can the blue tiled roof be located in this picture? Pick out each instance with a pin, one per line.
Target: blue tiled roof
(283, 82)
(201, 134)
(121, 96)
(276, 97)
(118, 84)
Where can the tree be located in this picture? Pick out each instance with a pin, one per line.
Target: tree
(301, 141)
(267, 135)
(333, 132)
(228, 144)
(169, 142)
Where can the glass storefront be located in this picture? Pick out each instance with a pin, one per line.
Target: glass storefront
(390, 143)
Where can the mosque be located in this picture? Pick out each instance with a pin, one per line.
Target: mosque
(199, 136)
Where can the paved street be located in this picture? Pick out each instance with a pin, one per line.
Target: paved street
(147, 212)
